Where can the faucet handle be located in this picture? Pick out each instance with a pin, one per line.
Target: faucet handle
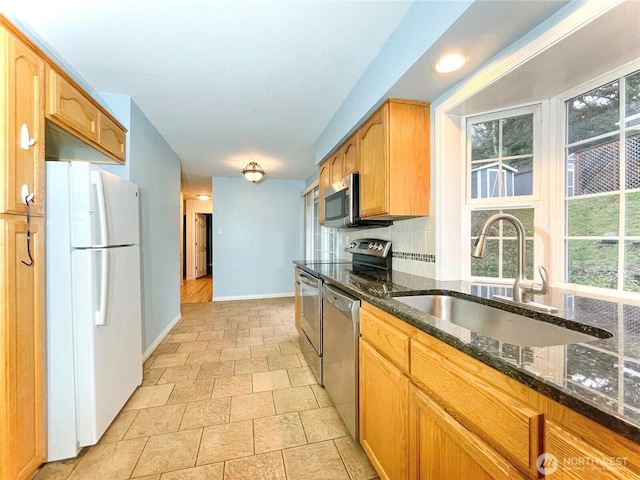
(541, 288)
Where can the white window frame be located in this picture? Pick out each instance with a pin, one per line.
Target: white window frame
(558, 233)
(448, 138)
(539, 192)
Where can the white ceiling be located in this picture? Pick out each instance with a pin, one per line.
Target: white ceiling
(228, 82)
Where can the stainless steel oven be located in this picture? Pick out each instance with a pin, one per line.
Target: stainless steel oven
(311, 320)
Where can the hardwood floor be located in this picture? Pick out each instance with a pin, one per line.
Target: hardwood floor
(197, 291)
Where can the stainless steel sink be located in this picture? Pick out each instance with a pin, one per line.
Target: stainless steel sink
(498, 324)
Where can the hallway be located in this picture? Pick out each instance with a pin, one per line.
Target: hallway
(197, 291)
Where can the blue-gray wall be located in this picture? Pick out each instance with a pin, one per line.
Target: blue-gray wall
(420, 28)
(155, 168)
(262, 230)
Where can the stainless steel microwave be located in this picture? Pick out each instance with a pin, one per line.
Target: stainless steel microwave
(342, 205)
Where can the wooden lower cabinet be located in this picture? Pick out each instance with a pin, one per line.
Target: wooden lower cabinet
(22, 348)
(441, 448)
(384, 414)
(575, 459)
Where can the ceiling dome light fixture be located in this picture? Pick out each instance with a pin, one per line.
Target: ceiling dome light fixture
(253, 172)
(449, 63)
(204, 197)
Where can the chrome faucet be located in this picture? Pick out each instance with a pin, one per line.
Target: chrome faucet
(522, 287)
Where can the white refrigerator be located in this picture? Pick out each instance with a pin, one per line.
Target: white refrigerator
(94, 322)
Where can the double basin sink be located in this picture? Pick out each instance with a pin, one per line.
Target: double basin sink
(502, 325)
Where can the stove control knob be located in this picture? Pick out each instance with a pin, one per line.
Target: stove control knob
(380, 247)
(352, 245)
(370, 246)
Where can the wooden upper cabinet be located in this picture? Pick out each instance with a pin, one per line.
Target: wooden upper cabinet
(324, 180)
(21, 125)
(70, 107)
(335, 167)
(395, 161)
(112, 137)
(350, 152)
(374, 177)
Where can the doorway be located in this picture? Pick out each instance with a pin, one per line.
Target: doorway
(201, 245)
(197, 285)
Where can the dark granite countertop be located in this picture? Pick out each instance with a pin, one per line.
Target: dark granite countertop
(599, 379)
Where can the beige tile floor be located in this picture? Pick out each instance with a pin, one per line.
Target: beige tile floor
(227, 395)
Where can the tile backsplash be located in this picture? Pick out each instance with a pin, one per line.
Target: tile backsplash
(413, 244)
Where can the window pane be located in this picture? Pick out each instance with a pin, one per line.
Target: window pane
(632, 154)
(487, 266)
(484, 140)
(632, 266)
(592, 262)
(510, 259)
(517, 135)
(632, 215)
(593, 113)
(525, 215)
(632, 95)
(593, 216)
(596, 167)
(518, 176)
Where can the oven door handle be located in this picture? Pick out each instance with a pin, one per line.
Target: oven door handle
(308, 280)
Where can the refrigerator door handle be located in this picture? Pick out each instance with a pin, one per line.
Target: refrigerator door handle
(101, 314)
(96, 180)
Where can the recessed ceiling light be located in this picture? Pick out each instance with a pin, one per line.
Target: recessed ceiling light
(449, 63)
(204, 197)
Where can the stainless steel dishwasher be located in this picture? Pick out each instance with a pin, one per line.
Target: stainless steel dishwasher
(341, 331)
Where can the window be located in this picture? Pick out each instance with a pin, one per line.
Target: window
(311, 225)
(602, 190)
(321, 243)
(598, 185)
(502, 151)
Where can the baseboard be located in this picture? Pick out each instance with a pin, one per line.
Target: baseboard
(158, 340)
(252, 297)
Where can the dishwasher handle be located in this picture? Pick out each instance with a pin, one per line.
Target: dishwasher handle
(306, 279)
(342, 301)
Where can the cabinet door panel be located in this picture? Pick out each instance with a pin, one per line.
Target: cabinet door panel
(351, 155)
(577, 459)
(112, 137)
(441, 448)
(373, 164)
(70, 107)
(24, 77)
(512, 427)
(22, 436)
(384, 429)
(324, 180)
(335, 162)
(393, 343)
